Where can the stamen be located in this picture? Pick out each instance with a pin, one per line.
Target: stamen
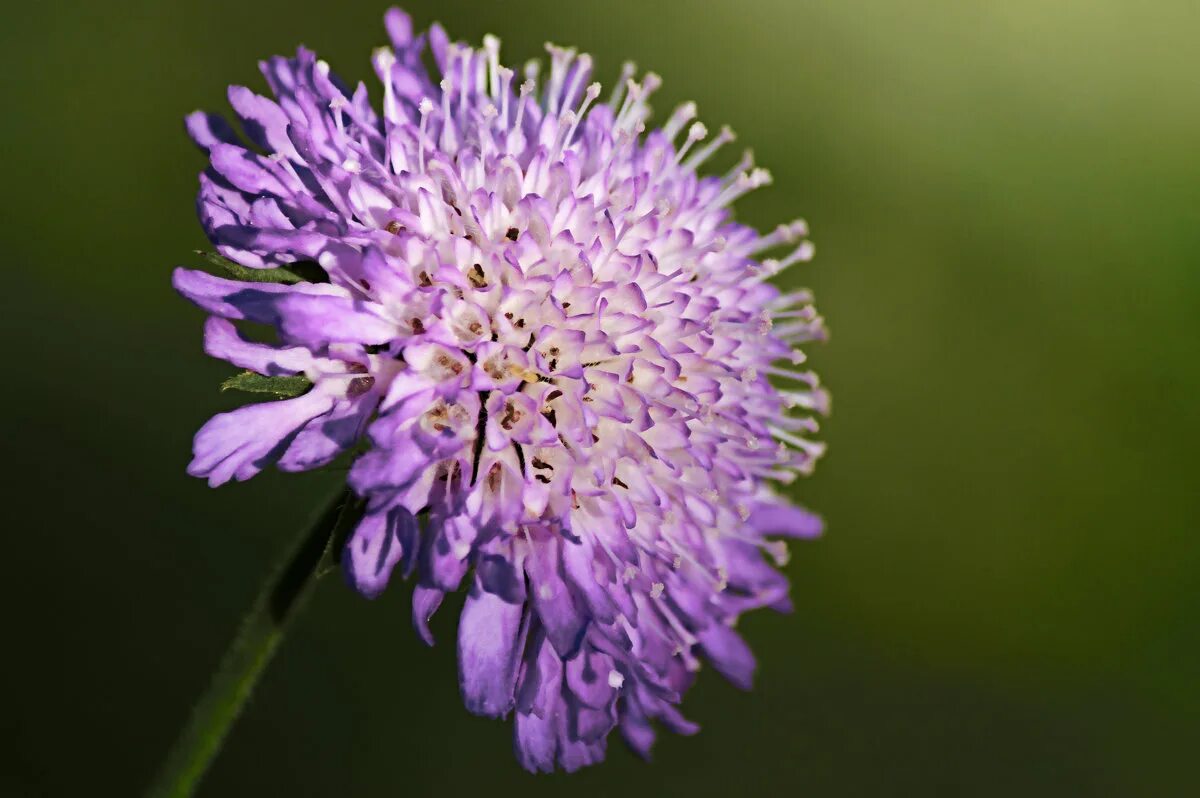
(724, 136)
(425, 107)
(560, 59)
(744, 184)
(583, 68)
(806, 377)
(491, 46)
(628, 70)
(506, 76)
(593, 91)
(680, 117)
(527, 89)
(783, 234)
(465, 55)
(446, 86)
(566, 123)
(385, 59)
(631, 97)
(787, 437)
(533, 68)
(336, 105)
(695, 133)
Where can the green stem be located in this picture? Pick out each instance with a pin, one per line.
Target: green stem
(312, 556)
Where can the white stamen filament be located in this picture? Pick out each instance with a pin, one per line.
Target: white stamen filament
(724, 136)
(491, 45)
(466, 55)
(583, 68)
(527, 89)
(695, 133)
(593, 91)
(425, 107)
(444, 139)
(679, 117)
(628, 70)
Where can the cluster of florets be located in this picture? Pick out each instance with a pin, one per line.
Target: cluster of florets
(556, 347)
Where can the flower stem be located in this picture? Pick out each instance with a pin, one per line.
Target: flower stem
(311, 556)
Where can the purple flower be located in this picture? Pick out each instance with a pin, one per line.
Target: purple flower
(554, 346)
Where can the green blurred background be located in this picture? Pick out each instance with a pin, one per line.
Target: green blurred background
(1005, 198)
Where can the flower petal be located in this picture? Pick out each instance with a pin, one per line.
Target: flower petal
(222, 340)
(327, 436)
(329, 319)
(425, 601)
(379, 541)
(729, 654)
(491, 637)
(774, 518)
(239, 444)
(208, 130)
(231, 299)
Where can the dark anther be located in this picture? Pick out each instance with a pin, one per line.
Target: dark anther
(529, 345)
(617, 481)
(511, 416)
(394, 227)
(512, 234)
(452, 366)
(359, 386)
(424, 280)
(477, 277)
(540, 463)
(542, 478)
(551, 416)
(418, 326)
(366, 286)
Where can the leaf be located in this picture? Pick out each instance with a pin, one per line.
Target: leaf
(299, 272)
(281, 387)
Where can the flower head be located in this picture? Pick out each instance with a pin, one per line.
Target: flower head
(553, 346)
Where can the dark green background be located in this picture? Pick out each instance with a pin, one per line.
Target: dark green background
(1005, 198)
